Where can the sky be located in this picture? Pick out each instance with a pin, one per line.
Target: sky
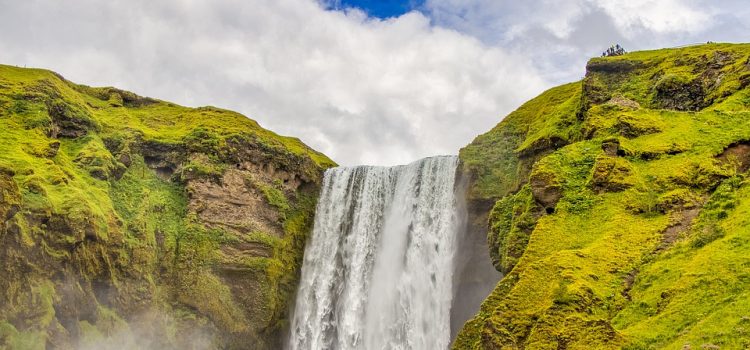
(378, 8)
(364, 81)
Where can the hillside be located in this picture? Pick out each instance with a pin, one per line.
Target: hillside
(620, 208)
(144, 222)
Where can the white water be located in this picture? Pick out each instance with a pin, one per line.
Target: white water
(377, 272)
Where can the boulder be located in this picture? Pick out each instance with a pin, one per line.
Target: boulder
(611, 174)
(545, 187)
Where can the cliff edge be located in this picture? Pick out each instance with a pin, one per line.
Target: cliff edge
(619, 208)
(144, 223)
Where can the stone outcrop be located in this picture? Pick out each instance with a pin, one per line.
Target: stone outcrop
(124, 217)
(624, 232)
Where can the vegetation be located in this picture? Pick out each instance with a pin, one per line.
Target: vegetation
(546, 121)
(620, 216)
(101, 225)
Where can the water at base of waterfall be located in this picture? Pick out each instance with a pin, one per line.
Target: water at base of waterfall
(377, 271)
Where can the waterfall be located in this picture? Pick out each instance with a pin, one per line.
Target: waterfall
(378, 270)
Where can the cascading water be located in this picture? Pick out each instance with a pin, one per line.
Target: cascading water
(377, 272)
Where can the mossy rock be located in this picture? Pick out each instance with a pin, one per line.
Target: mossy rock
(545, 187)
(623, 102)
(99, 235)
(680, 93)
(611, 174)
(620, 66)
(611, 147)
(634, 125)
(500, 160)
(511, 221)
(594, 92)
(10, 197)
(69, 120)
(646, 245)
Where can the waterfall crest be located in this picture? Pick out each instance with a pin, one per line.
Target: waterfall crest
(377, 272)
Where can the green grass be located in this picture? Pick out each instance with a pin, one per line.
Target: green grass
(697, 292)
(597, 271)
(89, 172)
(493, 157)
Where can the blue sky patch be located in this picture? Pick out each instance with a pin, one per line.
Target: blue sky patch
(379, 8)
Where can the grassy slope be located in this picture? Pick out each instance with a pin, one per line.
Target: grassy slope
(604, 270)
(121, 225)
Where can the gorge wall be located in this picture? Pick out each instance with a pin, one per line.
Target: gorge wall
(615, 210)
(129, 222)
(619, 208)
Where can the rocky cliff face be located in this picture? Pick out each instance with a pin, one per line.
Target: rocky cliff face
(144, 223)
(619, 208)
(616, 208)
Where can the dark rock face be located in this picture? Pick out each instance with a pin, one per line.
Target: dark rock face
(611, 147)
(545, 188)
(234, 204)
(69, 121)
(474, 276)
(512, 221)
(737, 156)
(594, 92)
(674, 92)
(252, 194)
(162, 158)
(542, 146)
(613, 66)
(682, 93)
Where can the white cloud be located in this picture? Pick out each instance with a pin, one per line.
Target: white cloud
(560, 18)
(359, 89)
(506, 20)
(659, 16)
(559, 36)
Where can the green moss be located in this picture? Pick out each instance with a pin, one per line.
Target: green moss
(275, 197)
(285, 268)
(718, 207)
(202, 167)
(612, 174)
(512, 219)
(93, 157)
(619, 262)
(70, 119)
(671, 82)
(684, 76)
(696, 293)
(154, 122)
(94, 188)
(202, 140)
(493, 158)
(633, 124)
(207, 294)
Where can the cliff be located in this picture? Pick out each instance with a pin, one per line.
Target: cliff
(618, 208)
(143, 222)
